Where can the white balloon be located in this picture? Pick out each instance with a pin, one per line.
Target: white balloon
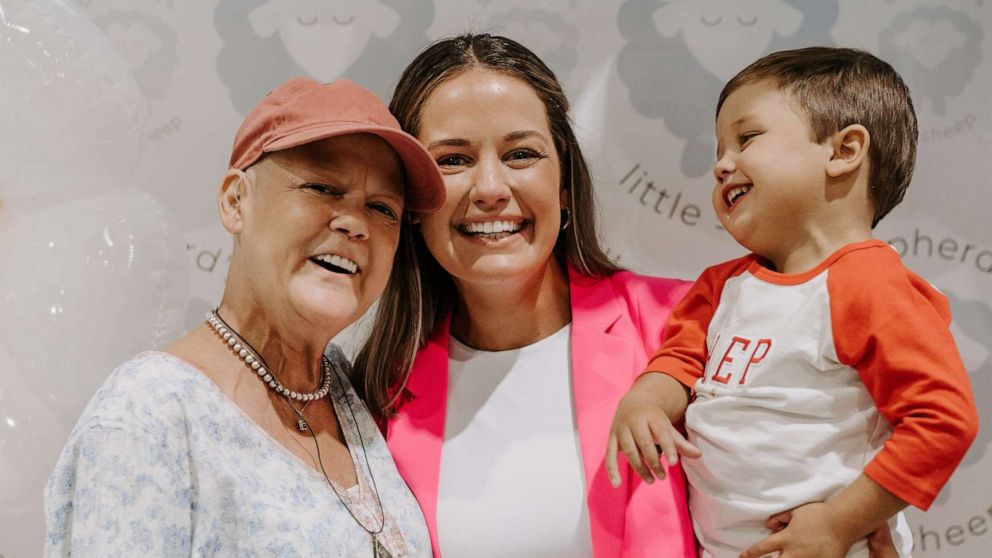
(71, 113)
(83, 286)
(30, 441)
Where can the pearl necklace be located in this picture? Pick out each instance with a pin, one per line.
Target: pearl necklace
(254, 361)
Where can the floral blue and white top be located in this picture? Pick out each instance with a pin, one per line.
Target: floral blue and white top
(162, 463)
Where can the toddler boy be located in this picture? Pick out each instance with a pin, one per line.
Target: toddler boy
(827, 390)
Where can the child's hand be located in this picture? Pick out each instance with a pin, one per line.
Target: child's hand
(640, 428)
(801, 532)
(880, 544)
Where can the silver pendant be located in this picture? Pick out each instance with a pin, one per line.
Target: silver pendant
(301, 424)
(378, 550)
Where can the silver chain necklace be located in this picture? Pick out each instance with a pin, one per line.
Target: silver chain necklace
(254, 361)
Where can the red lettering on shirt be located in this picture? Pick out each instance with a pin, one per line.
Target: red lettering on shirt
(728, 360)
(755, 359)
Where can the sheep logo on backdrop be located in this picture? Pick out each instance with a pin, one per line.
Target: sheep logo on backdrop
(936, 50)
(147, 38)
(268, 41)
(552, 38)
(679, 54)
(147, 45)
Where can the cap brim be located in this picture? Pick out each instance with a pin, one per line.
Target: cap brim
(424, 190)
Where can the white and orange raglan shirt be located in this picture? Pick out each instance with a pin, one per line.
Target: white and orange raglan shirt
(804, 382)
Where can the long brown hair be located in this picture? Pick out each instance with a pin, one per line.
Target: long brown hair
(420, 292)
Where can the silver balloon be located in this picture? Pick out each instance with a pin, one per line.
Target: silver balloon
(84, 285)
(90, 272)
(30, 440)
(70, 111)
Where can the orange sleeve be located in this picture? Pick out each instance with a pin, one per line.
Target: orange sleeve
(682, 355)
(892, 327)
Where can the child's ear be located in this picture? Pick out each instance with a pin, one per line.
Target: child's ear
(850, 147)
(229, 200)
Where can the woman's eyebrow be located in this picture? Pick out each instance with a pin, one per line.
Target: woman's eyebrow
(448, 142)
(523, 134)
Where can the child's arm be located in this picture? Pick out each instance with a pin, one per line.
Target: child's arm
(829, 528)
(658, 399)
(892, 327)
(643, 422)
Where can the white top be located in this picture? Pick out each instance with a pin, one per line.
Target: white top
(511, 480)
(162, 463)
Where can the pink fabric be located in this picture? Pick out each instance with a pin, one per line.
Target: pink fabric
(617, 324)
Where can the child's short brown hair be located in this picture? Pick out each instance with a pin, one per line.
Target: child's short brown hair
(837, 87)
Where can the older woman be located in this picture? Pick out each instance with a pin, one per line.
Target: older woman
(527, 336)
(242, 438)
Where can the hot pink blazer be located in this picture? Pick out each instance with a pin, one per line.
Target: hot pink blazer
(617, 324)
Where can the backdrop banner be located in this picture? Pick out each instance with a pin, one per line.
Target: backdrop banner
(142, 127)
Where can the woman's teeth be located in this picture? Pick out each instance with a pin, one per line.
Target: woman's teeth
(336, 263)
(492, 227)
(492, 230)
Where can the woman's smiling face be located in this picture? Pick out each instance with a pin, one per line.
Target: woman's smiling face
(489, 134)
(321, 226)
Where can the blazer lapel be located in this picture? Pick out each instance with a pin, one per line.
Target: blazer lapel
(603, 363)
(602, 367)
(415, 434)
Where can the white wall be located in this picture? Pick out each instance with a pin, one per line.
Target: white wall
(108, 229)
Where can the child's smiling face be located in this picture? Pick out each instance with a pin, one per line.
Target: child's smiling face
(770, 173)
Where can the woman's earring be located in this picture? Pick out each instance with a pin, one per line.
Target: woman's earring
(566, 218)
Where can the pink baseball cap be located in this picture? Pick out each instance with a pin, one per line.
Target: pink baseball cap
(302, 110)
